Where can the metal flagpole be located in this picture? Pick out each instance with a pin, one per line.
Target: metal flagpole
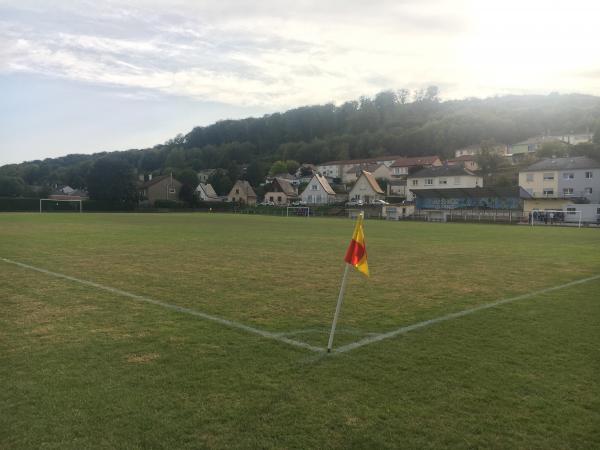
(338, 307)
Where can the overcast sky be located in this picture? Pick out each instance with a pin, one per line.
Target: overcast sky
(82, 77)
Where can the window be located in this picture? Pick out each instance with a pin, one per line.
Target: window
(549, 176)
(568, 191)
(443, 181)
(271, 198)
(310, 199)
(314, 187)
(568, 176)
(319, 198)
(237, 191)
(279, 199)
(589, 175)
(429, 181)
(548, 191)
(571, 211)
(415, 182)
(588, 190)
(598, 211)
(530, 178)
(456, 180)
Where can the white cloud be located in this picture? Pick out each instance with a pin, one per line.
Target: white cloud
(275, 54)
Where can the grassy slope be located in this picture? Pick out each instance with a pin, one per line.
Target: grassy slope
(85, 368)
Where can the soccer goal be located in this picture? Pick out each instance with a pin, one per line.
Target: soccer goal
(52, 205)
(302, 211)
(555, 217)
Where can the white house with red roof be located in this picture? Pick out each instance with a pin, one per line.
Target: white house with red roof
(366, 189)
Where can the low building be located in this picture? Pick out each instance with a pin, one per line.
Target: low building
(281, 192)
(242, 192)
(366, 189)
(443, 177)
(163, 187)
(472, 150)
(530, 145)
(572, 178)
(397, 212)
(509, 198)
(318, 191)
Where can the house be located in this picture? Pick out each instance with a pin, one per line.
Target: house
(530, 145)
(318, 191)
(401, 167)
(396, 188)
(569, 178)
(281, 192)
(574, 139)
(206, 193)
(379, 171)
(242, 192)
(292, 179)
(336, 169)
(366, 189)
(68, 193)
(163, 187)
(472, 150)
(442, 177)
(506, 198)
(467, 161)
(205, 174)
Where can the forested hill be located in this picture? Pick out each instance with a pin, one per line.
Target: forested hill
(386, 124)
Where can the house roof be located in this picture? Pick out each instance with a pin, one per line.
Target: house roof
(415, 161)
(286, 187)
(362, 160)
(372, 181)
(244, 186)
(325, 184)
(464, 158)
(155, 180)
(360, 167)
(538, 140)
(571, 163)
(208, 189)
(442, 171)
(476, 192)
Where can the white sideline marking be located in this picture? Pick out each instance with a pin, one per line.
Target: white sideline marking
(465, 312)
(226, 322)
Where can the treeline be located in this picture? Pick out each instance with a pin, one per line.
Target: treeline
(392, 122)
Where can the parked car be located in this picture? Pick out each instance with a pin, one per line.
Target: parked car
(355, 203)
(379, 202)
(299, 203)
(267, 203)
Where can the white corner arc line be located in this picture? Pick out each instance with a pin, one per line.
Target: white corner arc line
(181, 309)
(465, 312)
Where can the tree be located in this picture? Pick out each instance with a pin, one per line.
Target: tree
(189, 182)
(220, 182)
(255, 173)
(432, 94)
(403, 96)
(11, 186)
(112, 180)
(553, 149)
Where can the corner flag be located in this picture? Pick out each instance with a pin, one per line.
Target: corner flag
(356, 255)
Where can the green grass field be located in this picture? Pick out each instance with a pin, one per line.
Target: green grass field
(84, 367)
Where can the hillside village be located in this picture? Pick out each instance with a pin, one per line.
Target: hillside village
(400, 187)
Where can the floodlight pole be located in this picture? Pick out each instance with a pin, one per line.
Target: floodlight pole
(338, 307)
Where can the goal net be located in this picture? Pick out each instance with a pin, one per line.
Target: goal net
(52, 205)
(302, 211)
(555, 217)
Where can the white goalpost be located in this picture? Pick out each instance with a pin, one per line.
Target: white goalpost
(303, 211)
(555, 216)
(42, 200)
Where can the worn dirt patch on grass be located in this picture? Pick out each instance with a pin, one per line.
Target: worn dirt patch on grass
(142, 358)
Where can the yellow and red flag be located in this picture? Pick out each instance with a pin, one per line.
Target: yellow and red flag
(356, 255)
